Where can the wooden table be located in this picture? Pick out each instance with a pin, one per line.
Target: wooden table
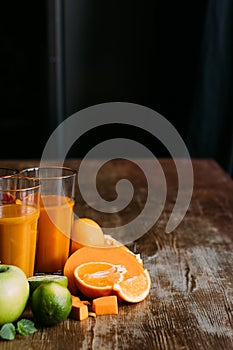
(190, 305)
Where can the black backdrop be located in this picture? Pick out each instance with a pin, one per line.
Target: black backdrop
(58, 57)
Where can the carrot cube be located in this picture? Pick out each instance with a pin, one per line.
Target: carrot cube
(79, 309)
(105, 305)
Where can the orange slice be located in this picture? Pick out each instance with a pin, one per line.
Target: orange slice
(134, 289)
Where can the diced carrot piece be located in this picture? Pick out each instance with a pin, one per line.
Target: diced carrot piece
(105, 305)
(79, 309)
(75, 299)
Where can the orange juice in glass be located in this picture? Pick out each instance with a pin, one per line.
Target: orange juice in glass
(19, 213)
(56, 216)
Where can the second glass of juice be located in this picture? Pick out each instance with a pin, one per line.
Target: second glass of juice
(19, 213)
(56, 216)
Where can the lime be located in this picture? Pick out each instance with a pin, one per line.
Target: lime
(51, 303)
(36, 281)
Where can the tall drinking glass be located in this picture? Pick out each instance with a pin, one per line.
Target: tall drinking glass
(56, 216)
(19, 213)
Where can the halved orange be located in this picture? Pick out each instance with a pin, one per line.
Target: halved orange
(97, 279)
(107, 271)
(112, 255)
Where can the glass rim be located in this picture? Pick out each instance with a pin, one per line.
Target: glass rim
(35, 184)
(72, 171)
(14, 172)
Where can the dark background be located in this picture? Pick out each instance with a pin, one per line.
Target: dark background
(58, 57)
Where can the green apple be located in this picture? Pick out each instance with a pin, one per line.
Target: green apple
(14, 293)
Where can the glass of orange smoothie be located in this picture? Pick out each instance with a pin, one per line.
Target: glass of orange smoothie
(19, 213)
(56, 216)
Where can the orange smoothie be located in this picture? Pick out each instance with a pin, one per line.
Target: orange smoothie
(18, 235)
(54, 230)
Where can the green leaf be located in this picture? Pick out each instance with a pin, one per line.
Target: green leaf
(8, 331)
(25, 327)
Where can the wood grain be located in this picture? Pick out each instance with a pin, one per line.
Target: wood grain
(190, 305)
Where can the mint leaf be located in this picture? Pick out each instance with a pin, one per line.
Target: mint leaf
(8, 331)
(25, 327)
